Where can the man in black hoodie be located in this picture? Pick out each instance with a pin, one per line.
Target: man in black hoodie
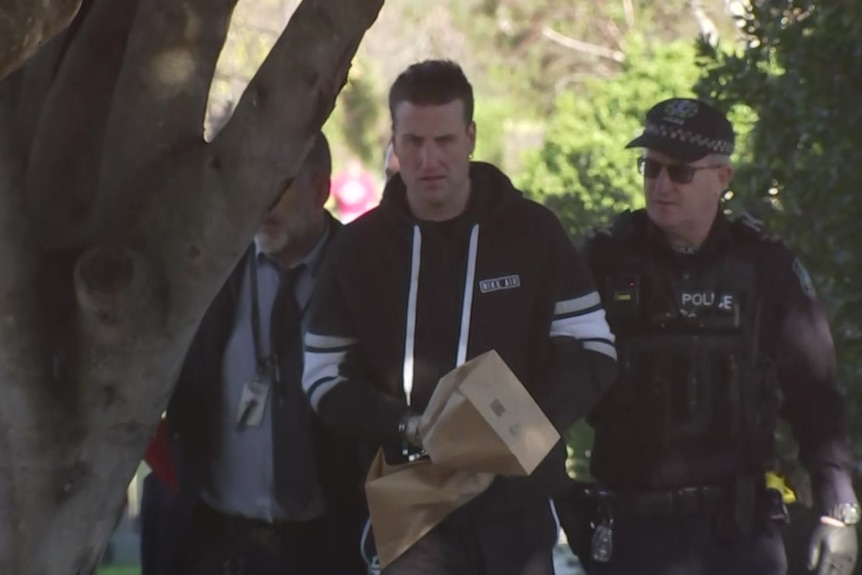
(452, 264)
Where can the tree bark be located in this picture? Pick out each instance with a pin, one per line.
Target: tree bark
(97, 309)
(73, 118)
(20, 363)
(25, 25)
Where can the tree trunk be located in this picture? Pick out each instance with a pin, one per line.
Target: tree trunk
(118, 225)
(25, 25)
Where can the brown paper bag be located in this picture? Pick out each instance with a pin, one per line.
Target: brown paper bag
(482, 419)
(407, 501)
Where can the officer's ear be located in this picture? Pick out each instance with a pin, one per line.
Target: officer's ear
(725, 174)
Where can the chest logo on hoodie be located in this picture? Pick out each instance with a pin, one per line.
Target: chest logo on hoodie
(497, 284)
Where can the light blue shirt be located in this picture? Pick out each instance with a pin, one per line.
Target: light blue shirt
(241, 474)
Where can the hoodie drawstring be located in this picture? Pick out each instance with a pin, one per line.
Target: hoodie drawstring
(410, 339)
(466, 307)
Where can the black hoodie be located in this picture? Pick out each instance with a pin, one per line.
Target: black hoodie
(401, 302)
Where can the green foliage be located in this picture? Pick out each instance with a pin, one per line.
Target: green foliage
(361, 117)
(557, 45)
(119, 570)
(579, 442)
(804, 155)
(255, 26)
(491, 116)
(359, 124)
(583, 171)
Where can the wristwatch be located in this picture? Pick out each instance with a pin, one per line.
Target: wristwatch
(846, 513)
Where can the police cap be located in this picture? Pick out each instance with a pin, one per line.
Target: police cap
(686, 129)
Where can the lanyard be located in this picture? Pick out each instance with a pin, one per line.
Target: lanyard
(269, 364)
(262, 364)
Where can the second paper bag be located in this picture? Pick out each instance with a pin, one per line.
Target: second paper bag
(407, 501)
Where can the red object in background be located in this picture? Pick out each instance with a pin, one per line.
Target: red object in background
(158, 457)
(355, 192)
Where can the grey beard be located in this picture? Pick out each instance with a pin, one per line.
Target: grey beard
(272, 244)
(297, 231)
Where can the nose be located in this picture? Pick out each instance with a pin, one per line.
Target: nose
(429, 155)
(663, 182)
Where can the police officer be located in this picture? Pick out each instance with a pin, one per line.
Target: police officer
(719, 333)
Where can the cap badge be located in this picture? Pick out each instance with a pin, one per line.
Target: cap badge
(678, 111)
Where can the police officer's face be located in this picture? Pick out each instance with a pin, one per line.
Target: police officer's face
(683, 198)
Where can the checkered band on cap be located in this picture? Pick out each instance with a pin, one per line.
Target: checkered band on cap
(687, 136)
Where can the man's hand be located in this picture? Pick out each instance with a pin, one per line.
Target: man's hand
(833, 548)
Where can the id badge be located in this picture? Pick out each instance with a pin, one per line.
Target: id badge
(252, 404)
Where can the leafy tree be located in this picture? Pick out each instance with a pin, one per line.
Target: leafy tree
(583, 171)
(359, 125)
(804, 155)
(118, 225)
(558, 46)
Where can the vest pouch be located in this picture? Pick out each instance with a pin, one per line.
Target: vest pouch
(623, 298)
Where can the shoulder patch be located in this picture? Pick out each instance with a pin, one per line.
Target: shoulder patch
(804, 279)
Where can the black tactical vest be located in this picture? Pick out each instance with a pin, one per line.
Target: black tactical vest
(697, 401)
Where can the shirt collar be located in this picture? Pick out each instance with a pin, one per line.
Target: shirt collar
(719, 235)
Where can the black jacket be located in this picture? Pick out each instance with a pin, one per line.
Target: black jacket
(392, 294)
(191, 419)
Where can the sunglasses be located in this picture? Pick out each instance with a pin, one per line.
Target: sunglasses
(678, 173)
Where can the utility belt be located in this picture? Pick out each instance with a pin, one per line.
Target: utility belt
(736, 510)
(685, 501)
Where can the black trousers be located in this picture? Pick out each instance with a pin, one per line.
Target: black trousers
(689, 546)
(216, 544)
(518, 544)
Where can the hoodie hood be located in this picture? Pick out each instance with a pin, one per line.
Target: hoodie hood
(491, 192)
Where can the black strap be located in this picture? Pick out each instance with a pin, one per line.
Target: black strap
(286, 287)
(294, 463)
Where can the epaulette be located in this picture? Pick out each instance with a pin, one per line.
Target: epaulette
(747, 227)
